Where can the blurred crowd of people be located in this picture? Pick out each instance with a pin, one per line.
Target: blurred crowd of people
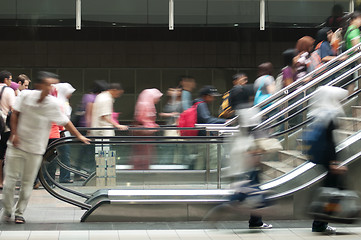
(96, 107)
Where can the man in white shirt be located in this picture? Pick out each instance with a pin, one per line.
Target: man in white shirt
(6, 103)
(103, 110)
(33, 113)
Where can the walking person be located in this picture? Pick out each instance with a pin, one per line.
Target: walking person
(7, 99)
(145, 115)
(33, 113)
(326, 109)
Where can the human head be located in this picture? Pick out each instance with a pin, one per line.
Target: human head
(208, 93)
(187, 83)
(305, 44)
(324, 34)
(23, 82)
(288, 56)
(44, 80)
(355, 19)
(115, 89)
(6, 77)
(239, 79)
(174, 92)
(99, 86)
(337, 10)
(265, 69)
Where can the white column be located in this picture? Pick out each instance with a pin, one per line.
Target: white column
(262, 15)
(78, 14)
(352, 6)
(171, 14)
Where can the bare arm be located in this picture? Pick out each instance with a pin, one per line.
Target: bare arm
(110, 120)
(70, 127)
(14, 127)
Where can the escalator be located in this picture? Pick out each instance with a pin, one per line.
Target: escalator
(184, 178)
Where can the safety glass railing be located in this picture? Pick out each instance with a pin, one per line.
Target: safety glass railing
(132, 162)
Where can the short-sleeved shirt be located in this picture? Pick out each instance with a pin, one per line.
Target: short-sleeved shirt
(7, 100)
(326, 50)
(351, 34)
(87, 98)
(103, 106)
(35, 120)
(287, 73)
(267, 80)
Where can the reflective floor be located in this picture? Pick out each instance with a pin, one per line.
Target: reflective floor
(48, 218)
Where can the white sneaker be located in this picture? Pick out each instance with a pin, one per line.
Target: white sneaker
(263, 226)
(330, 230)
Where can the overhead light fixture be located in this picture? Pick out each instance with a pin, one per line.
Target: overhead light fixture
(114, 24)
(78, 14)
(236, 24)
(171, 15)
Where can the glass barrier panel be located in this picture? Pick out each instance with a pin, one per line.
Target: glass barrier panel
(137, 165)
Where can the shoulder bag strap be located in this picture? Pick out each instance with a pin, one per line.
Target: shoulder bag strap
(2, 90)
(262, 83)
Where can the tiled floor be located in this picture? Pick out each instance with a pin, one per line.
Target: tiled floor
(197, 234)
(50, 219)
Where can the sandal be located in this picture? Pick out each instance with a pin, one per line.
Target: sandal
(19, 220)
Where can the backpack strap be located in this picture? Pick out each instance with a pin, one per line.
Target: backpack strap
(2, 91)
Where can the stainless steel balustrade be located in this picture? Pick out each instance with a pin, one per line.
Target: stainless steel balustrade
(311, 74)
(305, 98)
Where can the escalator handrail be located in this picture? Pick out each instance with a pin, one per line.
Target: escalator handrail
(303, 100)
(312, 181)
(284, 178)
(311, 74)
(304, 122)
(198, 138)
(59, 196)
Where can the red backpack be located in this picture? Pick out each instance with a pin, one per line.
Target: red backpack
(188, 118)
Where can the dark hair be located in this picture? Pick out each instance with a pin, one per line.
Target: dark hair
(99, 86)
(337, 10)
(238, 75)
(4, 74)
(322, 35)
(288, 56)
(265, 69)
(42, 75)
(115, 86)
(355, 15)
(22, 78)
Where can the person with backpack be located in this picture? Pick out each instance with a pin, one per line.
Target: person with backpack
(207, 95)
(323, 51)
(7, 100)
(235, 98)
(326, 108)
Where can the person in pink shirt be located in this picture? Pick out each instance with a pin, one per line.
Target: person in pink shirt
(145, 115)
